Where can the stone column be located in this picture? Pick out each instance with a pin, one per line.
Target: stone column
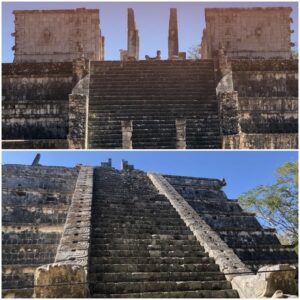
(180, 133)
(126, 134)
(173, 48)
(133, 36)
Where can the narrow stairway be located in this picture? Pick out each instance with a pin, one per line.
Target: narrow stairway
(141, 248)
(153, 95)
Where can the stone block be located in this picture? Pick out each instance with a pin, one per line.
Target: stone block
(60, 280)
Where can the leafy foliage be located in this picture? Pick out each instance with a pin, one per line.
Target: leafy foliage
(194, 52)
(277, 204)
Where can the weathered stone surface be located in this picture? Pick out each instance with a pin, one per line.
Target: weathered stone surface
(173, 45)
(227, 260)
(133, 40)
(141, 247)
(119, 92)
(229, 113)
(126, 134)
(35, 202)
(57, 35)
(240, 230)
(60, 280)
(78, 112)
(180, 134)
(276, 281)
(269, 279)
(74, 247)
(152, 94)
(248, 32)
(261, 141)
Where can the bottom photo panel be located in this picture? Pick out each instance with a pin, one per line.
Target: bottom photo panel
(149, 224)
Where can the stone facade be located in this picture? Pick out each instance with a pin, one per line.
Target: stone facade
(57, 35)
(219, 102)
(248, 32)
(35, 203)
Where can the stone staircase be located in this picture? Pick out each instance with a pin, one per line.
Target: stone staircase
(153, 94)
(254, 245)
(141, 248)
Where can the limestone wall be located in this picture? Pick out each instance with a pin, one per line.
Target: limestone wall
(265, 78)
(37, 81)
(35, 201)
(57, 35)
(29, 119)
(266, 106)
(35, 101)
(261, 141)
(248, 32)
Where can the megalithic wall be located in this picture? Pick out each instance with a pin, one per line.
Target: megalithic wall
(133, 36)
(173, 48)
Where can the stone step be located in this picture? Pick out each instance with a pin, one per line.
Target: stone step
(148, 253)
(111, 268)
(152, 230)
(156, 241)
(144, 236)
(210, 96)
(265, 254)
(156, 276)
(158, 286)
(151, 260)
(105, 227)
(177, 294)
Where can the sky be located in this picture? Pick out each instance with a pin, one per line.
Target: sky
(151, 19)
(242, 170)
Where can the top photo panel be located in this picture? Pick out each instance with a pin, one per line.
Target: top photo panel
(150, 75)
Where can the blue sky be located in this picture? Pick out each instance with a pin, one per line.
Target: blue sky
(242, 170)
(151, 19)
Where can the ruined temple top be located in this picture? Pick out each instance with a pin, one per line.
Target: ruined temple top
(239, 9)
(44, 11)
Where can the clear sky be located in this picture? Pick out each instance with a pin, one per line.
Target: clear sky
(242, 170)
(151, 18)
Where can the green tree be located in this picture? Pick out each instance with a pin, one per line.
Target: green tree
(277, 204)
(194, 52)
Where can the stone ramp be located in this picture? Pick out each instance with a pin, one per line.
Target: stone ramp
(153, 95)
(254, 245)
(141, 248)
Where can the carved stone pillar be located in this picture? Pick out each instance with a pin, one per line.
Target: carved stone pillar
(126, 134)
(180, 133)
(133, 37)
(173, 47)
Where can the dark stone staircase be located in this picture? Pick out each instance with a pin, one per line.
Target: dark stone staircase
(153, 95)
(254, 245)
(141, 248)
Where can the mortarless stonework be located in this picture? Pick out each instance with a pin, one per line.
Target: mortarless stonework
(248, 32)
(124, 238)
(35, 203)
(67, 277)
(57, 35)
(221, 102)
